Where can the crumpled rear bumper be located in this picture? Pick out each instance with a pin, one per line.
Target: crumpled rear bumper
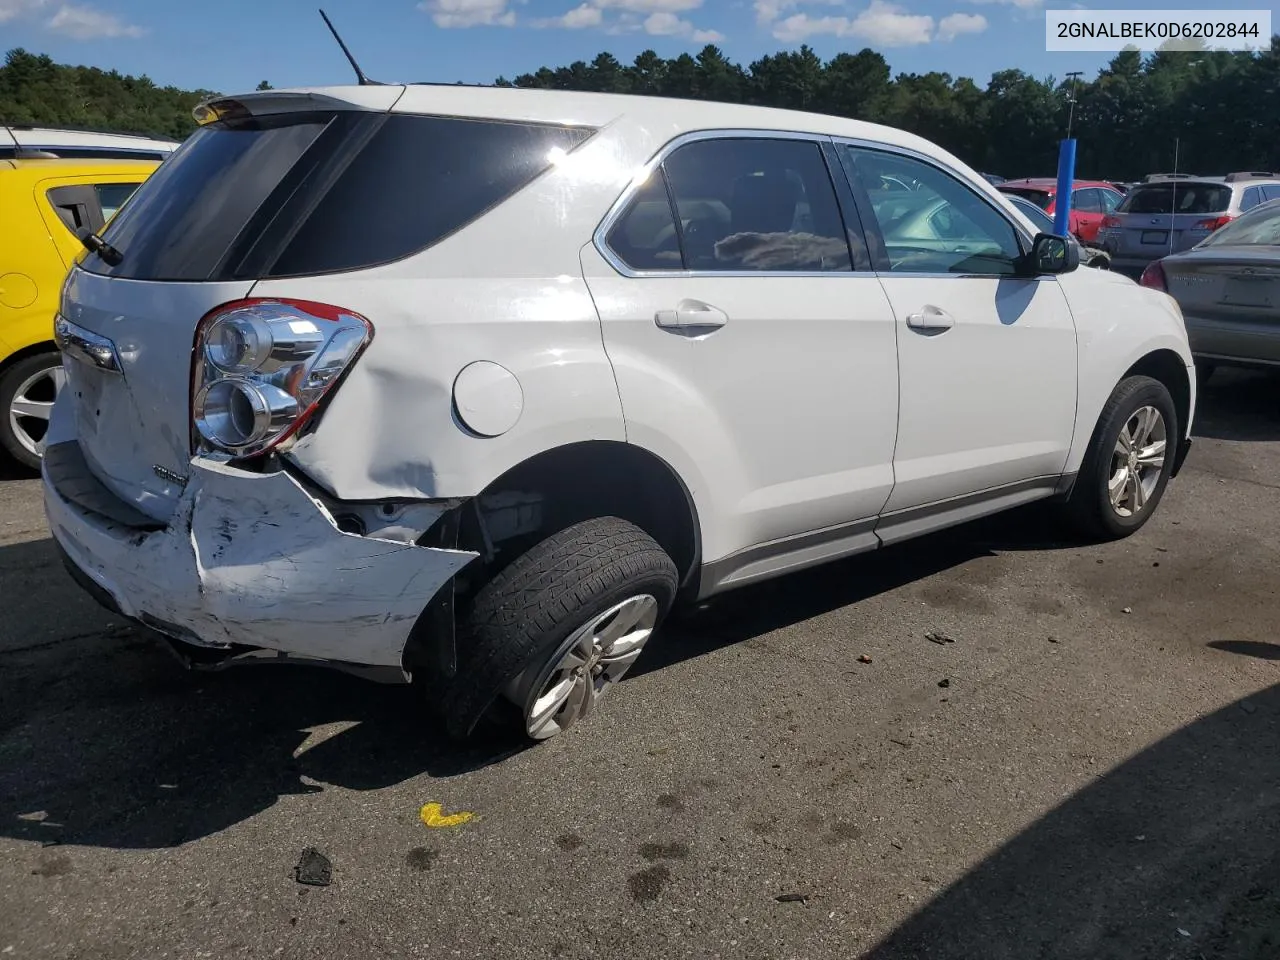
(246, 559)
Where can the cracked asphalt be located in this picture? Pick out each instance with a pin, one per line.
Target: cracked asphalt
(1088, 771)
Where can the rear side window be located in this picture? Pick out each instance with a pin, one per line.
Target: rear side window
(1087, 200)
(111, 197)
(319, 193)
(1271, 191)
(744, 205)
(1177, 198)
(1252, 197)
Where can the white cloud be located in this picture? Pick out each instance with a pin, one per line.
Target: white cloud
(78, 21)
(452, 14)
(767, 11)
(1020, 4)
(86, 23)
(663, 23)
(579, 17)
(658, 18)
(957, 24)
(883, 23)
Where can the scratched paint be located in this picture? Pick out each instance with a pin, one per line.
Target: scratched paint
(433, 815)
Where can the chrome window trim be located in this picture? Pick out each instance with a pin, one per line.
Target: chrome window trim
(599, 238)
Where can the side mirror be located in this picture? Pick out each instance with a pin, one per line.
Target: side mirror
(1051, 254)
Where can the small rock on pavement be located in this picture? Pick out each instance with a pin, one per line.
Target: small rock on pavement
(1248, 707)
(864, 659)
(792, 898)
(938, 637)
(314, 868)
(1127, 610)
(944, 682)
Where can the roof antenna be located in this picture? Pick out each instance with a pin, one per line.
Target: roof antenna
(360, 77)
(26, 153)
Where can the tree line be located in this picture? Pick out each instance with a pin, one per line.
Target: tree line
(1221, 109)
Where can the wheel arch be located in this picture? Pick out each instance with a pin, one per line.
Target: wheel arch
(23, 353)
(1170, 369)
(592, 478)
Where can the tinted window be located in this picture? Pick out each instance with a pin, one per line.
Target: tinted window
(940, 227)
(316, 193)
(1041, 198)
(1271, 191)
(1110, 200)
(111, 197)
(1039, 219)
(418, 180)
(1177, 198)
(645, 237)
(1252, 197)
(1087, 200)
(757, 204)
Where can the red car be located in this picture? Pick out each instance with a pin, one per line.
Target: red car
(1091, 200)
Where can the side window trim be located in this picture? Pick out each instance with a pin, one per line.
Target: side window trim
(619, 208)
(875, 238)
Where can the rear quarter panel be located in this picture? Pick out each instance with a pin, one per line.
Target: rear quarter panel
(1117, 324)
(31, 270)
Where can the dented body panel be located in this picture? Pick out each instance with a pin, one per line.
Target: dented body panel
(250, 559)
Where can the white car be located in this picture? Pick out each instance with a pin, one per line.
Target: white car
(469, 386)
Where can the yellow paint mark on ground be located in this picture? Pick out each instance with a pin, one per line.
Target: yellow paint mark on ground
(432, 815)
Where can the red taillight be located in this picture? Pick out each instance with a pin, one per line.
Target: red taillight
(1153, 277)
(261, 367)
(1212, 223)
(1110, 223)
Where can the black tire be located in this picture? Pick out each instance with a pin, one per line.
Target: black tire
(522, 617)
(10, 381)
(1089, 508)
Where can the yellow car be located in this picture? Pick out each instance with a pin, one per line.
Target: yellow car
(46, 206)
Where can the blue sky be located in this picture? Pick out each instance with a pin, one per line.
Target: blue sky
(231, 45)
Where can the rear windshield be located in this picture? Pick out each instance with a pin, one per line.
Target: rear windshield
(1177, 198)
(311, 193)
(1041, 198)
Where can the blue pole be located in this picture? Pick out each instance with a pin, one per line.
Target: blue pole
(1066, 176)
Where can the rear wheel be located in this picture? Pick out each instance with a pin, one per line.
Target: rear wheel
(551, 634)
(1127, 466)
(27, 391)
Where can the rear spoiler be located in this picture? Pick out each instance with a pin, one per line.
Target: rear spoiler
(376, 99)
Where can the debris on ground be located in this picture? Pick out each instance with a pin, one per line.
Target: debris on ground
(792, 898)
(864, 659)
(432, 814)
(1127, 610)
(895, 844)
(938, 637)
(314, 868)
(1248, 707)
(1053, 639)
(944, 682)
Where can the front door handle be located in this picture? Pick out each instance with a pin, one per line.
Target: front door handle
(931, 319)
(691, 315)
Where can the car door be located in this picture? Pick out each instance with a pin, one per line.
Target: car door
(753, 346)
(1086, 213)
(986, 358)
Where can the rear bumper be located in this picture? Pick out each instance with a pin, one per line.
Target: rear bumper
(247, 560)
(1233, 342)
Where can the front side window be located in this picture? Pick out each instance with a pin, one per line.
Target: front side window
(940, 227)
(757, 205)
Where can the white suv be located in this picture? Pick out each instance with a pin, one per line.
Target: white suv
(469, 386)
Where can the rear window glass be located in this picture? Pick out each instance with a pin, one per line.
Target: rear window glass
(318, 193)
(1041, 198)
(1177, 198)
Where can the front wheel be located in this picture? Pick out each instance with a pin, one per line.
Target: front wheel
(551, 634)
(1127, 466)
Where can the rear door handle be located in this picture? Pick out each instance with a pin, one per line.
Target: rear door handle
(691, 315)
(931, 318)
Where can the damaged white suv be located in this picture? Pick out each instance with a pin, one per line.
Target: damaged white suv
(469, 386)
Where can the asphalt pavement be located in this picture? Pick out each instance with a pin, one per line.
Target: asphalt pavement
(1088, 770)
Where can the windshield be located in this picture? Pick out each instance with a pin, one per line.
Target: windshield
(1198, 198)
(1259, 227)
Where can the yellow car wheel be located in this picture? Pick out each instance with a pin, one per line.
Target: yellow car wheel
(27, 391)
